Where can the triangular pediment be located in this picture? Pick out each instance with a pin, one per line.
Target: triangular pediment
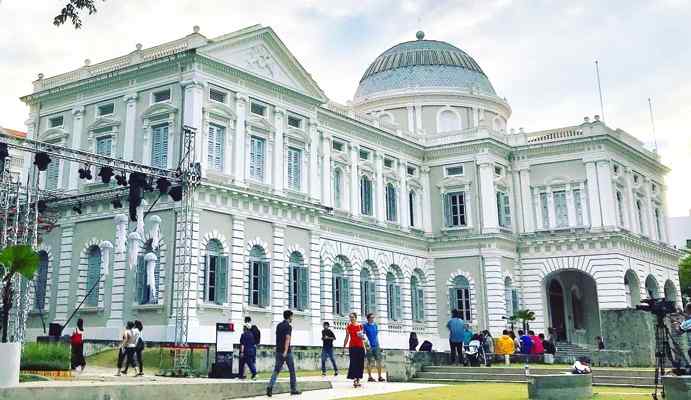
(259, 51)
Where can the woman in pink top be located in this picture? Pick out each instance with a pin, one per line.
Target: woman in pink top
(538, 347)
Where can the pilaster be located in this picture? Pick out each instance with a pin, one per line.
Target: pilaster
(427, 200)
(315, 269)
(593, 196)
(607, 202)
(314, 189)
(279, 275)
(118, 285)
(64, 272)
(77, 132)
(490, 217)
(404, 207)
(240, 137)
(279, 147)
(631, 201)
(496, 302)
(354, 181)
(570, 206)
(527, 201)
(130, 126)
(193, 117)
(380, 193)
(238, 267)
(327, 198)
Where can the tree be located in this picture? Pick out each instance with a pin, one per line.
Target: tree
(525, 316)
(72, 11)
(685, 275)
(18, 259)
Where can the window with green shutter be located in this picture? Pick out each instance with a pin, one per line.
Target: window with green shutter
(213, 263)
(298, 286)
(159, 146)
(222, 280)
(143, 287)
(391, 209)
(93, 276)
(393, 290)
(53, 174)
(366, 195)
(341, 291)
(367, 293)
(337, 187)
(418, 299)
(503, 209)
(294, 168)
(104, 146)
(259, 275)
(454, 209)
(257, 149)
(216, 147)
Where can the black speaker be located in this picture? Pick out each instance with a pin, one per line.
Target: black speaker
(54, 329)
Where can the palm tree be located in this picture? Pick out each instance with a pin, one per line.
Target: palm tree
(525, 316)
(17, 259)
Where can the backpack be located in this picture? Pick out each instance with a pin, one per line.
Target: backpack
(256, 333)
(76, 338)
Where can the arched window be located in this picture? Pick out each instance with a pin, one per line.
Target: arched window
(391, 209)
(651, 287)
(144, 290)
(368, 290)
(298, 282)
(412, 205)
(511, 297)
(41, 281)
(365, 195)
(418, 299)
(341, 291)
(639, 211)
(459, 297)
(338, 188)
(258, 290)
(631, 289)
(670, 291)
(448, 121)
(93, 276)
(215, 273)
(393, 291)
(620, 208)
(385, 118)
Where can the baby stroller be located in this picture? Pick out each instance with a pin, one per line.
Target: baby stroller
(475, 353)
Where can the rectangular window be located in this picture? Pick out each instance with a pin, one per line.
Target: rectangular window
(455, 209)
(388, 163)
(258, 109)
(341, 296)
(578, 205)
(544, 206)
(391, 206)
(161, 95)
(216, 147)
(298, 287)
(294, 168)
(337, 146)
(503, 210)
(561, 213)
(104, 146)
(411, 170)
(460, 300)
(56, 122)
(217, 95)
(259, 283)
(105, 109)
(337, 182)
(257, 149)
(364, 155)
(498, 171)
(295, 122)
(620, 208)
(455, 170)
(366, 196)
(53, 174)
(159, 146)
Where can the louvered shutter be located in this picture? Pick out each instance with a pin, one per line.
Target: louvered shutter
(222, 280)
(211, 146)
(371, 288)
(157, 279)
(336, 294)
(140, 281)
(220, 147)
(345, 296)
(453, 301)
(250, 285)
(447, 210)
(397, 302)
(260, 159)
(52, 174)
(420, 305)
(303, 287)
(264, 284)
(507, 210)
(389, 300)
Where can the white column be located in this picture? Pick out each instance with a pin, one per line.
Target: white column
(380, 193)
(418, 117)
(593, 196)
(315, 282)
(537, 201)
(279, 158)
(650, 211)
(411, 118)
(607, 203)
(427, 200)
(584, 205)
(496, 302)
(354, 181)
(403, 206)
(130, 126)
(240, 135)
(550, 209)
(119, 275)
(490, 218)
(476, 117)
(527, 200)
(570, 207)
(64, 272)
(315, 193)
(77, 132)
(238, 268)
(193, 117)
(326, 171)
(279, 275)
(630, 201)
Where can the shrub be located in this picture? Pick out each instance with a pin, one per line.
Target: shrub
(46, 357)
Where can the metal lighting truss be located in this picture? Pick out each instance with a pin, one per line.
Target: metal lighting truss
(20, 218)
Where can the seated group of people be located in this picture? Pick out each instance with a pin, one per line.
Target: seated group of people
(508, 343)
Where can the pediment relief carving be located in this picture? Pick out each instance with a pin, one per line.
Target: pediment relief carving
(454, 182)
(53, 134)
(391, 175)
(298, 134)
(340, 157)
(103, 122)
(260, 123)
(159, 109)
(222, 110)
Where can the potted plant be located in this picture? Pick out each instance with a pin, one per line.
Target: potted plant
(14, 260)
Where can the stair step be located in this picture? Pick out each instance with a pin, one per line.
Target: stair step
(598, 372)
(451, 381)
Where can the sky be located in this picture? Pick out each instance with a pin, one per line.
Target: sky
(539, 54)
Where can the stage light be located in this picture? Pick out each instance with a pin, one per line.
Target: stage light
(121, 179)
(41, 206)
(163, 185)
(117, 203)
(106, 173)
(175, 193)
(78, 208)
(41, 161)
(137, 183)
(85, 173)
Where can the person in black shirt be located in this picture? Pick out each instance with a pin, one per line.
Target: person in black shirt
(283, 354)
(328, 338)
(255, 331)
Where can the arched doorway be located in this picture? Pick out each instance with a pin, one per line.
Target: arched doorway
(670, 291)
(632, 289)
(574, 312)
(556, 309)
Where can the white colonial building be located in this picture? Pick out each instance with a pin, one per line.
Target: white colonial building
(409, 202)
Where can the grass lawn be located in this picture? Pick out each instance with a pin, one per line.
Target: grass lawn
(499, 391)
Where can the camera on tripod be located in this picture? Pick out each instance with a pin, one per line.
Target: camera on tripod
(658, 307)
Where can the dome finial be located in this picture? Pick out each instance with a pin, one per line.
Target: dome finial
(420, 35)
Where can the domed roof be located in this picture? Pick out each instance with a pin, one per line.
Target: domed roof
(423, 64)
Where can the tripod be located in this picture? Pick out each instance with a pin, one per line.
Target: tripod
(664, 351)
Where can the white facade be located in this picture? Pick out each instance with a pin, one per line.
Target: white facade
(680, 231)
(417, 186)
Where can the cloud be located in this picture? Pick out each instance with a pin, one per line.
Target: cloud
(538, 54)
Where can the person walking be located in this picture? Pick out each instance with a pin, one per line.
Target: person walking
(255, 331)
(122, 350)
(354, 341)
(374, 355)
(139, 347)
(412, 341)
(328, 338)
(283, 354)
(130, 347)
(248, 352)
(456, 327)
(77, 343)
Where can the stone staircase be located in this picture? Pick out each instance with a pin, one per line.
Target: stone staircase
(568, 353)
(601, 376)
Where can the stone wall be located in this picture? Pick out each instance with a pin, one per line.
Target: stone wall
(631, 330)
